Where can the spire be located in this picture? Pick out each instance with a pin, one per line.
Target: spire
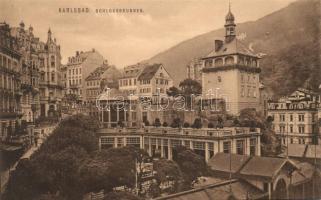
(229, 25)
(49, 35)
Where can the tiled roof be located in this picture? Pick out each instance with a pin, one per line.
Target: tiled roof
(97, 72)
(133, 71)
(220, 162)
(264, 166)
(233, 47)
(305, 173)
(303, 151)
(149, 72)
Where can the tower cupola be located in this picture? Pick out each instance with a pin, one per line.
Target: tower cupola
(230, 25)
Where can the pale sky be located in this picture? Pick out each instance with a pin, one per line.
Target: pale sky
(127, 38)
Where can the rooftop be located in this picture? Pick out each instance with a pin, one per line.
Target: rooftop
(149, 72)
(233, 47)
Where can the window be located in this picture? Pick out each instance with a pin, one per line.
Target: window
(282, 128)
(52, 59)
(248, 91)
(240, 147)
(301, 117)
(79, 70)
(219, 79)
(229, 60)
(252, 146)
(199, 145)
(218, 62)
(282, 117)
(301, 129)
(242, 78)
(227, 147)
(291, 118)
(52, 77)
(291, 129)
(242, 91)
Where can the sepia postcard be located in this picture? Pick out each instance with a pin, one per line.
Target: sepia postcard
(160, 99)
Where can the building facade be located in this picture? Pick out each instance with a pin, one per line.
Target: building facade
(231, 71)
(161, 141)
(10, 81)
(103, 76)
(50, 86)
(194, 70)
(295, 118)
(145, 80)
(78, 69)
(29, 49)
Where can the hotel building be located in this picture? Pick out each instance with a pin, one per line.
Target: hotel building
(295, 118)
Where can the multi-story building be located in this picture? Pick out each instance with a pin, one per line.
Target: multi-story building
(160, 142)
(231, 72)
(295, 118)
(10, 71)
(78, 69)
(194, 70)
(103, 76)
(50, 85)
(28, 47)
(145, 80)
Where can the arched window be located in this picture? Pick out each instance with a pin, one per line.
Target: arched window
(218, 62)
(229, 60)
(208, 63)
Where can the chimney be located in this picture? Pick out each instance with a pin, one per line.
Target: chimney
(93, 50)
(218, 44)
(77, 53)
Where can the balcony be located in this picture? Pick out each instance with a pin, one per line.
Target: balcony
(231, 67)
(188, 132)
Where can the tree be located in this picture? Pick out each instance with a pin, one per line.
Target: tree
(191, 164)
(157, 122)
(197, 123)
(173, 91)
(165, 124)
(167, 170)
(54, 167)
(250, 118)
(210, 125)
(190, 87)
(220, 122)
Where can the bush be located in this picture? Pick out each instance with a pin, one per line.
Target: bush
(146, 123)
(210, 125)
(165, 124)
(176, 123)
(197, 123)
(186, 125)
(157, 122)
